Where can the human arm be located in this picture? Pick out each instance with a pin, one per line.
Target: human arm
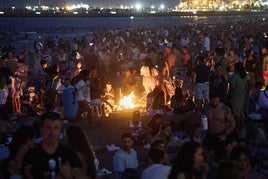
(74, 95)
(65, 171)
(229, 124)
(265, 64)
(234, 61)
(244, 62)
(166, 71)
(181, 176)
(230, 121)
(194, 77)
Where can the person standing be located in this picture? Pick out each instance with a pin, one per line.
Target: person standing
(11, 62)
(238, 90)
(149, 73)
(221, 65)
(22, 71)
(221, 125)
(3, 96)
(233, 59)
(201, 77)
(82, 91)
(265, 65)
(250, 62)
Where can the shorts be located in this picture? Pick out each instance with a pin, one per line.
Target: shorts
(202, 90)
(212, 142)
(83, 105)
(265, 74)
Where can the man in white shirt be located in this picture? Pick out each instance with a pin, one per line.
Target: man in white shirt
(125, 157)
(82, 91)
(158, 169)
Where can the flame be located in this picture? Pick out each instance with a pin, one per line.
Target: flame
(127, 102)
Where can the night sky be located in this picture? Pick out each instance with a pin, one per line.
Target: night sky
(94, 3)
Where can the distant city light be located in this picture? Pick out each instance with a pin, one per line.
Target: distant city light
(138, 6)
(192, 6)
(68, 8)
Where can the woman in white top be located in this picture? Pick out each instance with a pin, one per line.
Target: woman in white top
(149, 73)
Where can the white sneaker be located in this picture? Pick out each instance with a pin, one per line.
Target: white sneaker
(112, 147)
(105, 171)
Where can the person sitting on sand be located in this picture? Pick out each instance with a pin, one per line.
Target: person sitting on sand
(125, 157)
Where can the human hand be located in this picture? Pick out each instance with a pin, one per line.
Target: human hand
(66, 171)
(222, 138)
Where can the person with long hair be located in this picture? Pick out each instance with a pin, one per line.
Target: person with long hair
(82, 94)
(238, 90)
(242, 157)
(23, 140)
(149, 73)
(189, 158)
(83, 148)
(250, 62)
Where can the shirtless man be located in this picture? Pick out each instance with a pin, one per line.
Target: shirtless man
(171, 63)
(221, 125)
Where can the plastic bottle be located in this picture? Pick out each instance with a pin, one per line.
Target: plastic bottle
(204, 121)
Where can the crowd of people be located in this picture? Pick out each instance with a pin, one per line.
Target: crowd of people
(217, 71)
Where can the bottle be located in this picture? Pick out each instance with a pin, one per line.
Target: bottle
(96, 161)
(204, 121)
(140, 125)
